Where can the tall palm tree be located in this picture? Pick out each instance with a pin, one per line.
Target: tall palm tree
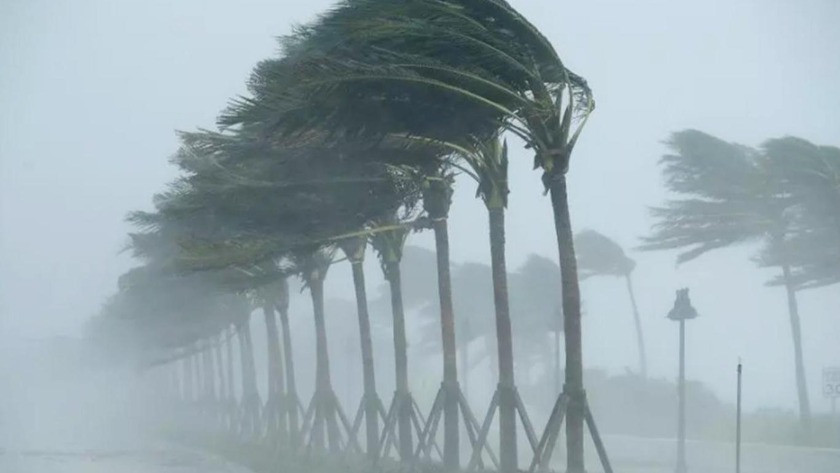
(312, 266)
(488, 163)
(729, 195)
(437, 199)
(275, 407)
(354, 249)
(389, 245)
(600, 256)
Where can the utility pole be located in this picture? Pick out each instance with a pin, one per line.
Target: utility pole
(681, 312)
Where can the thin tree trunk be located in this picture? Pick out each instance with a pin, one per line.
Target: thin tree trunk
(451, 446)
(571, 325)
(796, 332)
(220, 369)
(196, 365)
(230, 372)
(392, 271)
(504, 336)
(465, 357)
(368, 372)
(276, 388)
(209, 375)
(220, 374)
(275, 358)
(250, 397)
(557, 386)
(291, 384)
(640, 339)
(323, 386)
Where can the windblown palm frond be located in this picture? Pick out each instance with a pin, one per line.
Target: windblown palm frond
(728, 197)
(598, 255)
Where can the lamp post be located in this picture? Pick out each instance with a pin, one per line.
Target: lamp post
(681, 312)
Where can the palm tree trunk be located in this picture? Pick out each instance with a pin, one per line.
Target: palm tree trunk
(220, 374)
(571, 325)
(640, 339)
(404, 407)
(230, 372)
(465, 357)
(504, 336)
(368, 372)
(196, 365)
(250, 396)
(451, 446)
(557, 386)
(323, 386)
(276, 386)
(209, 376)
(796, 332)
(291, 384)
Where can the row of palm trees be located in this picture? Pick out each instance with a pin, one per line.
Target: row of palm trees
(352, 137)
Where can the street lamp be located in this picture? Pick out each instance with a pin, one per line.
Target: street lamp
(681, 312)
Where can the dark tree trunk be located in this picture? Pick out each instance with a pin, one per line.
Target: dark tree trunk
(571, 325)
(368, 370)
(392, 272)
(799, 363)
(637, 320)
(451, 447)
(504, 337)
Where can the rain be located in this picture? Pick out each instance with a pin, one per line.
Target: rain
(471, 235)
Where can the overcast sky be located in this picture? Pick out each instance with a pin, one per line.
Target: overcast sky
(91, 92)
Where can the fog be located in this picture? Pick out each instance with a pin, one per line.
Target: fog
(91, 94)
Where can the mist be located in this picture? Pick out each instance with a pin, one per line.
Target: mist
(93, 93)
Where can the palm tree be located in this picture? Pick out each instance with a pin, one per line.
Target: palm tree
(600, 256)
(730, 195)
(488, 163)
(354, 249)
(811, 174)
(389, 245)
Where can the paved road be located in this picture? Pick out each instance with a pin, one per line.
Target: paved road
(634, 455)
(155, 460)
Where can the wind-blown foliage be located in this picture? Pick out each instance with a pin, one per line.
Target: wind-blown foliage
(783, 196)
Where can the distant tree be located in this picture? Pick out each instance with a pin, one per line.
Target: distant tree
(538, 305)
(811, 176)
(600, 256)
(733, 194)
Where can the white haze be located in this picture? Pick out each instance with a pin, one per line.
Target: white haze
(91, 93)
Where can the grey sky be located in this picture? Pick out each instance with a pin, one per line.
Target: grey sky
(91, 91)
